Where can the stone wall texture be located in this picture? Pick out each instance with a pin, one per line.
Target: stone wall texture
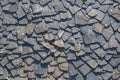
(59, 39)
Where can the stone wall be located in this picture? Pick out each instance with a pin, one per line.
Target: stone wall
(59, 39)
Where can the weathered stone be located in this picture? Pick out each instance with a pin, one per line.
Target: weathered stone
(72, 70)
(41, 27)
(92, 63)
(92, 12)
(77, 46)
(47, 60)
(39, 70)
(26, 50)
(61, 60)
(20, 32)
(79, 77)
(49, 37)
(13, 8)
(4, 61)
(63, 66)
(91, 76)
(81, 18)
(3, 41)
(59, 43)
(31, 41)
(18, 50)
(51, 69)
(29, 29)
(48, 46)
(113, 42)
(74, 9)
(44, 2)
(20, 12)
(84, 69)
(6, 7)
(100, 15)
(98, 28)
(108, 67)
(66, 16)
(107, 33)
(17, 62)
(23, 21)
(106, 21)
(8, 19)
(29, 61)
(77, 63)
(36, 8)
(57, 73)
(11, 45)
(117, 36)
(100, 52)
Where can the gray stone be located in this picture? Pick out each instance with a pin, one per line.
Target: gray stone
(20, 12)
(115, 61)
(81, 18)
(74, 9)
(9, 66)
(79, 77)
(100, 15)
(92, 13)
(30, 41)
(59, 7)
(72, 70)
(6, 7)
(36, 8)
(47, 60)
(107, 75)
(41, 27)
(108, 67)
(26, 50)
(29, 29)
(11, 45)
(71, 56)
(77, 63)
(84, 69)
(13, 8)
(17, 62)
(3, 41)
(117, 36)
(23, 21)
(92, 63)
(107, 33)
(8, 19)
(106, 21)
(91, 76)
(4, 61)
(113, 42)
(29, 61)
(44, 2)
(39, 70)
(98, 27)
(1, 70)
(66, 16)
(100, 52)
(12, 1)
(49, 37)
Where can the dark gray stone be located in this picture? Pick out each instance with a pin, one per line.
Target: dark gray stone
(3, 41)
(106, 21)
(92, 63)
(17, 62)
(91, 76)
(4, 61)
(47, 60)
(77, 63)
(113, 42)
(79, 77)
(100, 52)
(100, 15)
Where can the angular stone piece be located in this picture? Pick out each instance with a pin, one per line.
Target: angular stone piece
(98, 28)
(92, 63)
(36, 8)
(44, 2)
(20, 12)
(4, 61)
(11, 45)
(20, 32)
(26, 50)
(113, 42)
(100, 52)
(81, 18)
(13, 8)
(91, 76)
(107, 33)
(100, 15)
(72, 70)
(17, 62)
(41, 27)
(57, 73)
(23, 21)
(3, 41)
(63, 66)
(61, 60)
(49, 37)
(84, 69)
(106, 21)
(47, 60)
(77, 63)
(92, 12)
(29, 28)
(59, 43)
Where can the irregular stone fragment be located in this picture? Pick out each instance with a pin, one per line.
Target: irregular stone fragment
(92, 13)
(63, 66)
(74, 9)
(100, 52)
(113, 42)
(20, 12)
(13, 8)
(48, 46)
(3, 41)
(47, 60)
(41, 27)
(72, 70)
(8, 19)
(100, 15)
(106, 21)
(81, 18)
(23, 21)
(17, 62)
(26, 50)
(107, 33)
(36, 8)
(98, 27)
(51, 69)
(29, 28)
(59, 43)
(49, 37)
(91, 76)
(20, 32)
(31, 41)
(61, 60)
(44, 2)
(92, 63)
(77, 46)
(57, 73)
(84, 69)
(4, 61)
(11, 45)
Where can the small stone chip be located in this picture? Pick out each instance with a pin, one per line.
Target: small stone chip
(59, 43)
